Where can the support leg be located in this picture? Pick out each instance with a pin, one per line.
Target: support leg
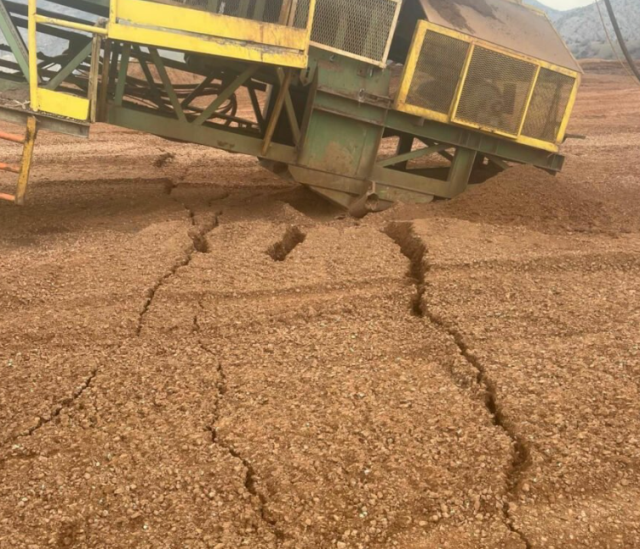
(405, 144)
(277, 109)
(460, 171)
(27, 157)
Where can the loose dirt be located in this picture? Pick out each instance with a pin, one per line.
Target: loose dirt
(195, 354)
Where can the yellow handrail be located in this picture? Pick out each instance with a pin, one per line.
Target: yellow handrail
(70, 25)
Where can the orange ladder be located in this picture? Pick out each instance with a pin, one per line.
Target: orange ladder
(28, 141)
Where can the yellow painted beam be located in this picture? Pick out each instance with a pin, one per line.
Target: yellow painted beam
(567, 114)
(210, 46)
(162, 16)
(409, 69)
(33, 55)
(70, 25)
(63, 104)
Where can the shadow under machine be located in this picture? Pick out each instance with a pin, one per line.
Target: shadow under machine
(365, 102)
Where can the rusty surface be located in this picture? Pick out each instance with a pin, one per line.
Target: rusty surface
(11, 137)
(504, 23)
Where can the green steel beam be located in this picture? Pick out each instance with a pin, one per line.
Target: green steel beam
(14, 40)
(69, 67)
(482, 143)
(460, 171)
(122, 73)
(153, 88)
(50, 123)
(412, 155)
(226, 94)
(171, 128)
(166, 82)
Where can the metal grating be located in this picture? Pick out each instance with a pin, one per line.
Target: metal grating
(548, 105)
(360, 28)
(496, 91)
(438, 72)
(267, 11)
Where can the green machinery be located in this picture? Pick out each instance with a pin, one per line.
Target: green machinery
(366, 102)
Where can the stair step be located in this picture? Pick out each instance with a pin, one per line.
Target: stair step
(24, 168)
(9, 168)
(12, 137)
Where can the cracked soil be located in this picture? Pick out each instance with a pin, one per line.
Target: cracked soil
(196, 354)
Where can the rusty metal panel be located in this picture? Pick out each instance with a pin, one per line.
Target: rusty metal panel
(495, 91)
(549, 105)
(505, 23)
(438, 72)
(361, 30)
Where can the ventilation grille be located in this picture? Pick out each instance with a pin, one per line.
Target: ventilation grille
(496, 91)
(548, 105)
(482, 87)
(294, 13)
(438, 72)
(355, 28)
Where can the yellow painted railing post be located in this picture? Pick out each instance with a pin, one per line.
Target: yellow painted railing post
(33, 55)
(462, 81)
(27, 158)
(534, 82)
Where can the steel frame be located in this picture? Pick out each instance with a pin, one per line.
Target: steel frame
(326, 124)
(198, 31)
(402, 103)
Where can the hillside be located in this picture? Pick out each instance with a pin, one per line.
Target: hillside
(582, 28)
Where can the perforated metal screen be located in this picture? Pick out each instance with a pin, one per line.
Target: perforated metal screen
(356, 28)
(490, 89)
(293, 13)
(548, 105)
(438, 72)
(496, 91)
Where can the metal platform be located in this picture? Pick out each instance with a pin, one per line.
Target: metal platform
(327, 105)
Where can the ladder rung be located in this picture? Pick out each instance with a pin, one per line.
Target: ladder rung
(9, 197)
(11, 137)
(9, 168)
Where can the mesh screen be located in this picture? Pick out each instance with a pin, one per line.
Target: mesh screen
(496, 90)
(437, 72)
(548, 105)
(357, 27)
(294, 13)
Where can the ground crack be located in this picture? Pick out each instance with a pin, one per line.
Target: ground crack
(293, 236)
(250, 475)
(414, 249)
(62, 405)
(199, 244)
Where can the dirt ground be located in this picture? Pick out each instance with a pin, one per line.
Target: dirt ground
(196, 354)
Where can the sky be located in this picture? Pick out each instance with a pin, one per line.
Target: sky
(566, 4)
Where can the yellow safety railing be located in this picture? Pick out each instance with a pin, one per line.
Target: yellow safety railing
(55, 102)
(455, 78)
(185, 28)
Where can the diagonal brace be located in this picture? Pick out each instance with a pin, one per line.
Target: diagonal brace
(69, 67)
(166, 82)
(14, 40)
(426, 151)
(226, 94)
(291, 113)
(153, 88)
